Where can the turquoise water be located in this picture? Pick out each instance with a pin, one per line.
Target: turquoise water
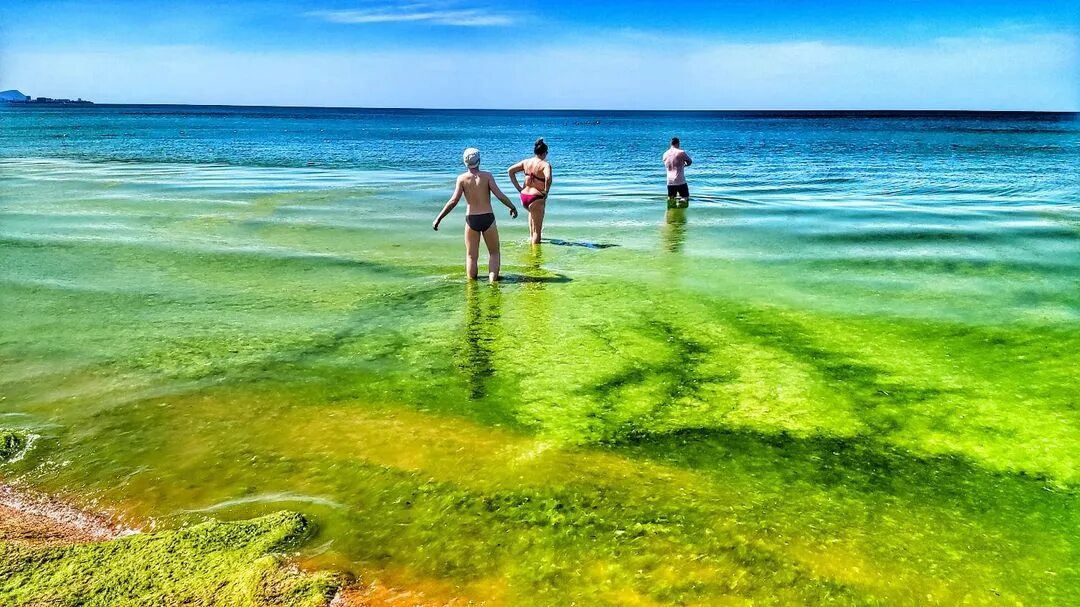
(868, 199)
(846, 373)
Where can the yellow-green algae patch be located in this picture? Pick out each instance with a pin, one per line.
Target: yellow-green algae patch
(223, 564)
(683, 518)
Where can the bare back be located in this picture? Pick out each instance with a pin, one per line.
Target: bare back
(536, 175)
(476, 186)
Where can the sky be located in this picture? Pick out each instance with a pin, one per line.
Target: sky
(631, 54)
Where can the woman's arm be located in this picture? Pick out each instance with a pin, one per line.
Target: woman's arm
(513, 171)
(450, 204)
(502, 198)
(547, 178)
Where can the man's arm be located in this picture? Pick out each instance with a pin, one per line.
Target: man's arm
(450, 204)
(513, 171)
(687, 159)
(502, 197)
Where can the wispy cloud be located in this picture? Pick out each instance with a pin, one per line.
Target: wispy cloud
(438, 14)
(1037, 72)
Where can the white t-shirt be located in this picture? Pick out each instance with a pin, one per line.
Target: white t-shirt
(675, 160)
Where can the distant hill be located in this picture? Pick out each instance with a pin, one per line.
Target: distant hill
(13, 95)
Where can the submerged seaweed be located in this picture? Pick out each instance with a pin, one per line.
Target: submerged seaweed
(12, 443)
(218, 564)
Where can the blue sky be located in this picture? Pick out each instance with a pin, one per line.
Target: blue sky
(634, 54)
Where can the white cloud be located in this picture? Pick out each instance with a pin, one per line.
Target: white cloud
(439, 14)
(1036, 72)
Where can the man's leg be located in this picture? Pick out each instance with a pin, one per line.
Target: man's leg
(472, 251)
(491, 241)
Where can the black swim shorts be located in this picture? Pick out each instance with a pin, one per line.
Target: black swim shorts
(682, 191)
(480, 222)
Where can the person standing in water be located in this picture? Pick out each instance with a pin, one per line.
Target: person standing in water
(537, 185)
(675, 161)
(477, 186)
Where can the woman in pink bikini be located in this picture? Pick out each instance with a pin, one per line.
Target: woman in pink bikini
(537, 185)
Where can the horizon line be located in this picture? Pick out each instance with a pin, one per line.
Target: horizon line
(481, 109)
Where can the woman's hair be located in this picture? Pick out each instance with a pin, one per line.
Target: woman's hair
(540, 148)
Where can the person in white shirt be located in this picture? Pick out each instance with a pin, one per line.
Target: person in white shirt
(676, 161)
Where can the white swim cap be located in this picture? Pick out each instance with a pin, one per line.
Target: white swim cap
(471, 158)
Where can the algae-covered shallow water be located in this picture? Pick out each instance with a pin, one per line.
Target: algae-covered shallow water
(845, 374)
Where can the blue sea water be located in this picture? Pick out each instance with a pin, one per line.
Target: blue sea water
(939, 158)
(882, 189)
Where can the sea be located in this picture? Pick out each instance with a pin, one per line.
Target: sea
(845, 372)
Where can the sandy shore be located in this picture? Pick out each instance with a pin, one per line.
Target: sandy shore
(28, 528)
(33, 520)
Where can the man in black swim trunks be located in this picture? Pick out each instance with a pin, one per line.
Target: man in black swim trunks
(675, 161)
(477, 186)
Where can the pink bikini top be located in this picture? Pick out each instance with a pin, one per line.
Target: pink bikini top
(530, 175)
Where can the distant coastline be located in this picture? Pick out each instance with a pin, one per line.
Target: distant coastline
(50, 101)
(16, 97)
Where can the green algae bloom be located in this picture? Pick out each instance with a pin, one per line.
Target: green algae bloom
(712, 412)
(12, 444)
(217, 564)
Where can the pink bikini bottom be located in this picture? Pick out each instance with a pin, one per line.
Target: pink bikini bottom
(527, 199)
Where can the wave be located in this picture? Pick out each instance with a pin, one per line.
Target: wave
(270, 498)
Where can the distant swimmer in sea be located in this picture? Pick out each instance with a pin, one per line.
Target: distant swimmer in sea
(477, 186)
(537, 185)
(676, 161)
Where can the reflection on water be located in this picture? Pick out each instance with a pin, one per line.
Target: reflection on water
(482, 313)
(673, 232)
(533, 261)
(535, 275)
